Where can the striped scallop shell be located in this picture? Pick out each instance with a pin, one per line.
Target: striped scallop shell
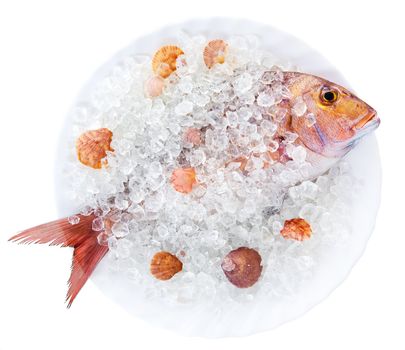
(92, 147)
(215, 52)
(164, 60)
(297, 229)
(183, 179)
(165, 265)
(193, 136)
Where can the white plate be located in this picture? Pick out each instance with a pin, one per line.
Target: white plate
(203, 320)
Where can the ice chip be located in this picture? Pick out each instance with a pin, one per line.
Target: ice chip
(310, 119)
(183, 108)
(102, 238)
(265, 99)
(197, 158)
(299, 108)
(123, 248)
(97, 224)
(120, 230)
(243, 84)
(74, 219)
(290, 137)
(155, 169)
(273, 146)
(299, 154)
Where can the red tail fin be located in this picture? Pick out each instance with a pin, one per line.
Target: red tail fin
(87, 252)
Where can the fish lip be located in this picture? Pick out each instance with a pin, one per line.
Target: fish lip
(370, 119)
(365, 126)
(372, 123)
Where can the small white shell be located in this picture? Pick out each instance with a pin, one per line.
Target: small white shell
(154, 86)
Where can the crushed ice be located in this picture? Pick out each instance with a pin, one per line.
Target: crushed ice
(236, 202)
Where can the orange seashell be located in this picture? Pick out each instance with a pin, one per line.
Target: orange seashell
(165, 265)
(242, 267)
(193, 136)
(92, 147)
(297, 229)
(164, 60)
(154, 86)
(215, 52)
(183, 179)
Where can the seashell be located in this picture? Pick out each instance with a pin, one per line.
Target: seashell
(164, 60)
(297, 229)
(242, 267)
(154, 86)
(165, 265)
(183, 179)
(193, 136)
(215, 52)
(92, 147)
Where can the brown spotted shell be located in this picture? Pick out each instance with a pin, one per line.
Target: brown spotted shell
(165, 265)
(164, 60)
(297, 229)
(242, 267)
(92, 147)
(215, 52)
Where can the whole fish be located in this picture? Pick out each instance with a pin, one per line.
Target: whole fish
(340, 120)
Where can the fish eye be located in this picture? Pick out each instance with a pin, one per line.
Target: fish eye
(328, 95)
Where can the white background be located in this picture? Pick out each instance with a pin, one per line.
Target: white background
(48, 49)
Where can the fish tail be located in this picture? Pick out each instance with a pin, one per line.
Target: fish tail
(87, 252)
(86, 257)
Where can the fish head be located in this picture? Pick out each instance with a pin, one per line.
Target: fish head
(341, 118)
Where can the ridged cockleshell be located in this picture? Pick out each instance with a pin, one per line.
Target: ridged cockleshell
(242, 267)
(215, 52)
(297, 229)
(165, 265)
(193, 136)
(183, 179)
(92, 147)
(164, 60)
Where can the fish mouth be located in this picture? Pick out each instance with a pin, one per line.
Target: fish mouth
(363, 127)
(369, 122)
